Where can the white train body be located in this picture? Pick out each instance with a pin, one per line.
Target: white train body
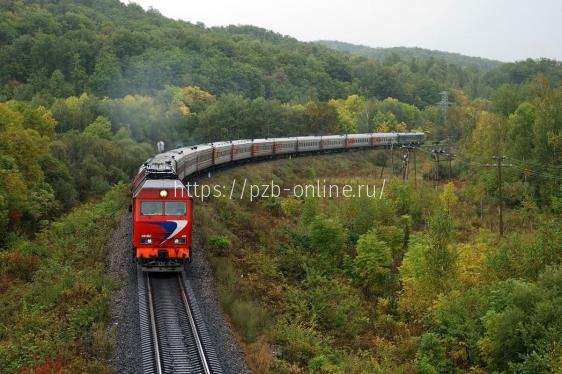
(188, 161)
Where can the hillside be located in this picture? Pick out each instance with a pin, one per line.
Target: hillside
(412, 52)
(62, 48)
(417, 281)
(413, 282)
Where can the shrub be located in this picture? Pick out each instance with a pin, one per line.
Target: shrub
(249, 318)
(310, 210)
(292, 262)
(300, 343)
(219, 245)
(17, 265)
(372, 267)
(328, 237)
(336, 306)
(431, 358)
(291, 207)
(273, 206)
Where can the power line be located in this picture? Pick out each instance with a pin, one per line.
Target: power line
(518, 164)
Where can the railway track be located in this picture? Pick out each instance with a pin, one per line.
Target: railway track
(173, 337)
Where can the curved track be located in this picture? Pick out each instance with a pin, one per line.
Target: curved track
(173, 337)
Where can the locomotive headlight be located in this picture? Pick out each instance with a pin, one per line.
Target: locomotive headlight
(163, 193)
(146, 240)
(179, 241)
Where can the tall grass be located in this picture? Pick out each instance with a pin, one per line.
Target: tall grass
(55, 293)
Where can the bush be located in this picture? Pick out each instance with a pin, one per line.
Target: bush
(291, 207)
(431, 358)
(300, 343)
(334, 304)
(292, 262)
(249, 318)
(328, 238)
(219, 245)
(373, 265)
(17, 265)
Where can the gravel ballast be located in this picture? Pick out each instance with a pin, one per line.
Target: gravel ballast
(125, 307)
(124, 311)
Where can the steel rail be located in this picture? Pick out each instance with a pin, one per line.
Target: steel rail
(157, 361)
(187, 306)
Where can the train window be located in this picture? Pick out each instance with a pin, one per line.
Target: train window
(174, 208)
(151, 208)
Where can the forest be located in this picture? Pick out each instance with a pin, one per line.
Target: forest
(88, 87)
(411, 52)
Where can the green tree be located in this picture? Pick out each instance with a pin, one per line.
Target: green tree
(429, 267)
(448, 197)
(431, 358)
(328, 238)
(522, 326)
(106, 78)
(372, 266)
(100, 128)
(521, 124)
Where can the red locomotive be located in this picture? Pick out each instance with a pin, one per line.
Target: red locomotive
(162, 222)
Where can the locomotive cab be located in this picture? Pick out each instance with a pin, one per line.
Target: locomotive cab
(162, 222)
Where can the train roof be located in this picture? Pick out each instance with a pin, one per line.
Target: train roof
(222, 144)
(202, 147)
(287, 139)
(162, 163)
(333, 136)
(264, 140)
(159, 184)
(241, 141)
(385, 134)
(359, 135)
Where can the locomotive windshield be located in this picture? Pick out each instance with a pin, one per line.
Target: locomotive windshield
(169, 208)
(174, 208)
(151, 208)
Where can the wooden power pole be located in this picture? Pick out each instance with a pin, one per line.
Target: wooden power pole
(500, 190)
(499, 165)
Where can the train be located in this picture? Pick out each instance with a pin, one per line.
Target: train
(162, 207)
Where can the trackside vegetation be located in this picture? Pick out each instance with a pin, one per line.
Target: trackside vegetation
(55, 293)
(412, 282)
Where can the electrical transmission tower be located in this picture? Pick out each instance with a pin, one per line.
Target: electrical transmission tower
(444, 104)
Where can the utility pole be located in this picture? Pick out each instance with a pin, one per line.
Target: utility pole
(405, 158)
(415, 170)
(499, 165)
(392, 158)
(450, 157)
(436, 151)
(500, 190)
(406, 162)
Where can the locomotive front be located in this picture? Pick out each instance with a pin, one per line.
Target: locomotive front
(162, 216)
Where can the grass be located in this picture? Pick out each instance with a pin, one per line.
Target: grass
(55, 293)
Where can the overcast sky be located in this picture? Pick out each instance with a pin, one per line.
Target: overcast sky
(505, 30)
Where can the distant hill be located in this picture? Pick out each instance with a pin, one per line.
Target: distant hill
(59, 48)
(414, 52)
